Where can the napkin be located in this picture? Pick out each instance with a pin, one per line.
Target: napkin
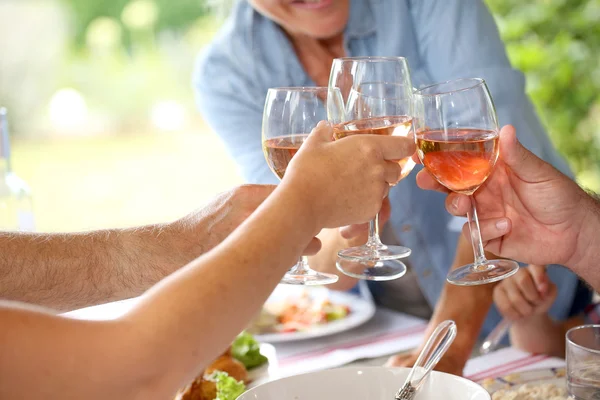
(507, 361)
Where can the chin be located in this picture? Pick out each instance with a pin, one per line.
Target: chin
(324, 31)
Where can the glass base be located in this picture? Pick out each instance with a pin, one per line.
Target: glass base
(308, 278)
(385, 270)
(366, 253)
(492, 271)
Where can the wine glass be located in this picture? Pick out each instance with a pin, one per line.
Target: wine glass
(372, 95)
(289, 116)
(456, 132)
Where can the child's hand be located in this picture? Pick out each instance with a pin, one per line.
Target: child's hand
(529, 292)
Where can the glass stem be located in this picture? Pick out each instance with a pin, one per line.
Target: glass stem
(476, 242)
(301, 267)
(374, 240)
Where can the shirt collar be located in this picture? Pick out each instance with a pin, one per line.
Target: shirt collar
(361, 22)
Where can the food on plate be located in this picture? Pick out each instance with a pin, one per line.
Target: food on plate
(532, 392)
(247, 350)
(297, 314)
(226, 377)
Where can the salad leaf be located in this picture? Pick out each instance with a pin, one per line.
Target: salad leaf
(247, 350)
(227, 387)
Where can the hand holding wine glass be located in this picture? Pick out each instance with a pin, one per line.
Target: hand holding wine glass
(343, 193)
(372, 96)
(528, 210)
(456, 131)
(320, 169)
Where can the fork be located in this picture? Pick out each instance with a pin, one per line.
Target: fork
(496, 335)
(435, 348)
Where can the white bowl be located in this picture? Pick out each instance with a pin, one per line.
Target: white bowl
(368, 383)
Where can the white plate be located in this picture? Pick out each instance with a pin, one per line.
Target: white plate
(364, 383)
(361, 310)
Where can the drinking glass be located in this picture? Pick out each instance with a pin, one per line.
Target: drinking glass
(456, 132)
(583, 362)
(372, 95)
(289, 116)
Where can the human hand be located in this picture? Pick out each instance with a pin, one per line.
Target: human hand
(447, 363)
(359, 232)
(527, 293)
(200, 231)
(345, 181)
(527, 209)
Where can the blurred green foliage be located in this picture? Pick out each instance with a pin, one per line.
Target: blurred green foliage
(174, 15)
(556, 43)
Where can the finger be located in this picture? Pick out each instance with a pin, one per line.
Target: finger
(540, 278)
(399, 360)
(504, 304)
(523, 162)
(322, 133)
(518, 301)
(551, 294)
(313, 247)
(458, 204)
(385, 212)
(527, 286)
(416, 159)
(427, 182)
(353, 231)
(491, 229)
(393, 147)
(393, 172)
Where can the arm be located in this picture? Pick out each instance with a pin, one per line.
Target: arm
(467, 306)
(68, 271)
(188, 319)
(163, 343)
(459, 39)
(232, 103)
(539, 334)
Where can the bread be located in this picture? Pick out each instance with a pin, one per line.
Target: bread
(203, 389)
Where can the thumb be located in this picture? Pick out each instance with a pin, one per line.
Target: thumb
(523, 162)
(540, 278)
(322, 133)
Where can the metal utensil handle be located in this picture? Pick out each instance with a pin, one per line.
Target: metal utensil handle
(495, 337)
(435, 348)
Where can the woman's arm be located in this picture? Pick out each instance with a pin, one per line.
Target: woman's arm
(189, 318)
(177, 328)
(467, 306)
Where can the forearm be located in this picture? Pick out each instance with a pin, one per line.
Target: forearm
(539, 334)
(172, 334)
(68, 271)
(192, 316)
(325, 260)
(466, 305)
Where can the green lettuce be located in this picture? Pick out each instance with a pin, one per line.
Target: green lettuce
(227, 387)
(246, 350)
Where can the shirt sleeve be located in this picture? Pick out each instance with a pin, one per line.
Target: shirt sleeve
(232, 105)
(459, 39)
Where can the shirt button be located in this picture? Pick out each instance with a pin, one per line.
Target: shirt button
(406, 228)
(426, 273)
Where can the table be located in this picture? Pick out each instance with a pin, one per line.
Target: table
(371, 344)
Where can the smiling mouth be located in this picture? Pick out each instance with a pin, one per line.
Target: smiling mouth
(311, 4)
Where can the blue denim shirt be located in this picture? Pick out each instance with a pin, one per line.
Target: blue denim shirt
(442, 40)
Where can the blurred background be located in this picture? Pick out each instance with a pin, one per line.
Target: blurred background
(104, 126)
